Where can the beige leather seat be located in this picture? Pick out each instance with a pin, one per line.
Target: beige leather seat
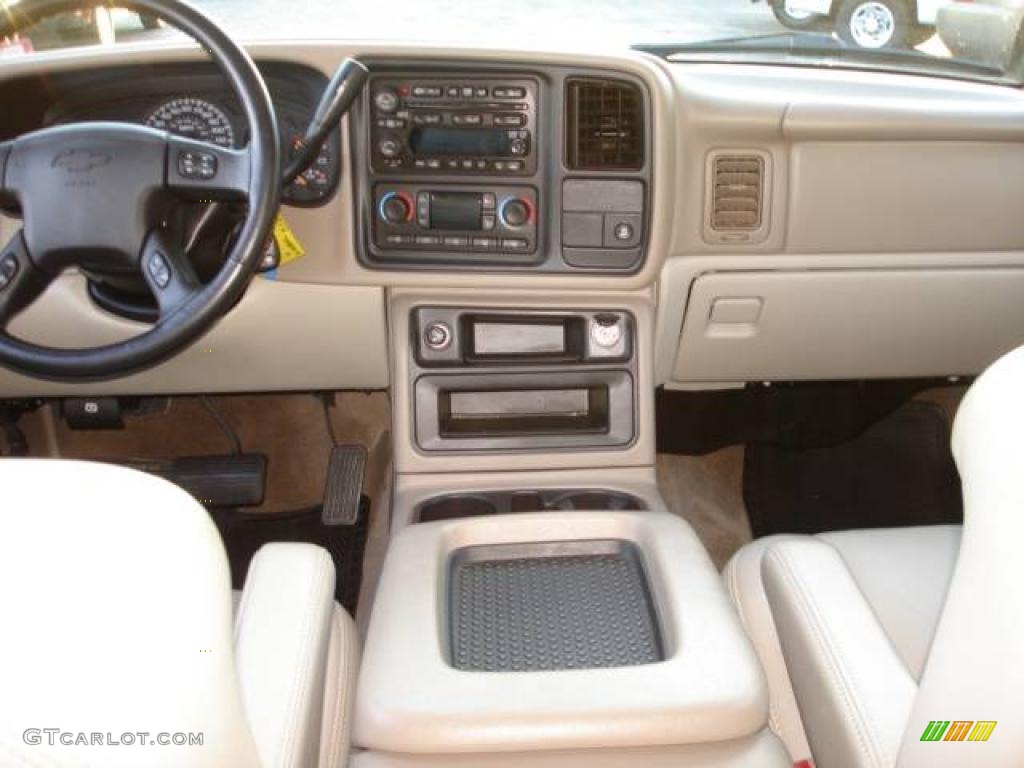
(118, 632)
(867, 637)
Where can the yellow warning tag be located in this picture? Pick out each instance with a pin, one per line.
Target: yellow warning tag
(288, 244)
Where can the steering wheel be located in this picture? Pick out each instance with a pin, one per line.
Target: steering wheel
(94, 195)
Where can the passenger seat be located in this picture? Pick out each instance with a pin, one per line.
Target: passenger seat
(869, 637)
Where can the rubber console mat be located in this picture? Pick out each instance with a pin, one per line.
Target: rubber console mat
(898, 472)
(245, 532)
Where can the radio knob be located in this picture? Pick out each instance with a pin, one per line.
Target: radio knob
(394, 208)
(386, 100)
(389, 147)
(514, 212)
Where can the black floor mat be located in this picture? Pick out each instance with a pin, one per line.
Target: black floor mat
(245, 532)
(898, 472)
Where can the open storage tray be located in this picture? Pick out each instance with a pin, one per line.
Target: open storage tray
(550, 606)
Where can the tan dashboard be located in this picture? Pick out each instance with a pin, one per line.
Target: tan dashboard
(871, 239)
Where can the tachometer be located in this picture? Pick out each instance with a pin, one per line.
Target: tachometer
(194, 119)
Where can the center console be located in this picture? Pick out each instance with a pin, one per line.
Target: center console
(558, 639)
(485, 169)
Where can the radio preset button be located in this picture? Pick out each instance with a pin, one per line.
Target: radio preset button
(427, 118)
(509, 92)
(453, 91)
(398, 239)
(510, 119)
(456, 241)
(480, 92)
(514, 244)
(514, 165)
(428, 240)
(484, 243)
(427, 91)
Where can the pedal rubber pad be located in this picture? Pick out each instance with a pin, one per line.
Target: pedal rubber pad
(344, 484)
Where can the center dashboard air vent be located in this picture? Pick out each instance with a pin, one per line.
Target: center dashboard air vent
(737, 187)
(605, 125)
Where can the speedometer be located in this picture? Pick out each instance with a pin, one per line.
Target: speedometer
(193, 119)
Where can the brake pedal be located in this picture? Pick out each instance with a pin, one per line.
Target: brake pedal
(344, 484)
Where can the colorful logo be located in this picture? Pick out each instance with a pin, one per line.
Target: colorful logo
(958, 730)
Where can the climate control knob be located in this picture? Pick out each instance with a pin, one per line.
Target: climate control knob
(514, 212)
(395, 208)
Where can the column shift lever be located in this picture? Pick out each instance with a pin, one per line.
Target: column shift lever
(338, 96)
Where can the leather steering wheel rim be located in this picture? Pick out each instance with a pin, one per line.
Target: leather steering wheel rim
(254, 173)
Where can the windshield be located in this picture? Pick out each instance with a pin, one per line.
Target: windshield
(967, 39)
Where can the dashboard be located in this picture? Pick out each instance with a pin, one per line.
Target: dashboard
(790, 223)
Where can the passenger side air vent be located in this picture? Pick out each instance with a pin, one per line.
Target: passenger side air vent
(736, 197)
(604, 125)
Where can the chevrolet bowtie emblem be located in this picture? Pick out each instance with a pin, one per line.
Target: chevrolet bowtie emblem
(81, 160)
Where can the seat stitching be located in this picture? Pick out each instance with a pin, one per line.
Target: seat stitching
(732, 584)
(347, 644)
(844, 686)
(301, 683)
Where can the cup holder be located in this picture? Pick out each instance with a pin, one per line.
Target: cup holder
(456, 506)
(594, 501)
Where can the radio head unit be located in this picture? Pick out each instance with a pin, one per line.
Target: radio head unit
(453, 125)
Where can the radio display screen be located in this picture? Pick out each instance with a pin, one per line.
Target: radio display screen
(466, 142)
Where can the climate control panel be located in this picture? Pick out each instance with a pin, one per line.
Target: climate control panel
(453, 219)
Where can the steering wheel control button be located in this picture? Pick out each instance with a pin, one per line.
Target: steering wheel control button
(8, 270)
(437, 336)
(158, 269)
(196, 165)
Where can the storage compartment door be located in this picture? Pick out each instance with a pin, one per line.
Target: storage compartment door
(849, 324)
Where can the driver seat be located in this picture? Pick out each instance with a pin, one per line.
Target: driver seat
(119, 633)
(903, 646)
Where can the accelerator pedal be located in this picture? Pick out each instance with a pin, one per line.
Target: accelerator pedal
(344, 484)
(233, 480)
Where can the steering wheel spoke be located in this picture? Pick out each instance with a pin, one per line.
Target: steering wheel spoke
(21, 281)
(5, 151)
(168, 273)
(197, 170)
